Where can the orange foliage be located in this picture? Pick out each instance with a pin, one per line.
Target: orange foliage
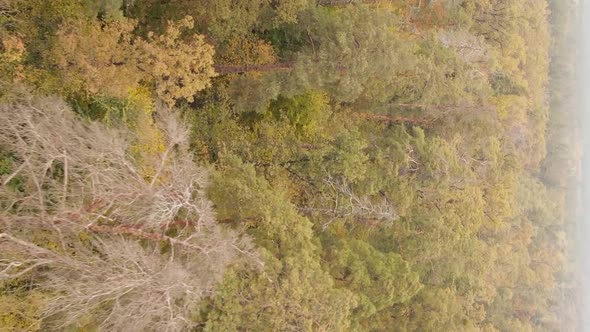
(248, 50)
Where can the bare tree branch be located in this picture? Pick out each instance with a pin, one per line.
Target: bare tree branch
(117, 259)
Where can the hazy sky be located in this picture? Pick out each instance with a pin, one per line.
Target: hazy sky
(584, 104)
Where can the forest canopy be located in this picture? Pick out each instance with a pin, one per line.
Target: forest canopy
(287, 165)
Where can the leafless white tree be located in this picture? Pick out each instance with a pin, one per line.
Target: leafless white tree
(361, 206)
(345, 203)
(136, 252)
(470, 48)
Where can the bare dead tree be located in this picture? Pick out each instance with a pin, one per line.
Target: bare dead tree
(360, 206)
(470, 48)
(116, 258)
(346, 203)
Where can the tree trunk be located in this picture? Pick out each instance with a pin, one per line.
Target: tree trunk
(238, 69)
(334, 3)
(424, 122)
(443, 109)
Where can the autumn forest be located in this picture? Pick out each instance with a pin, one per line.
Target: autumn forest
(288, 165)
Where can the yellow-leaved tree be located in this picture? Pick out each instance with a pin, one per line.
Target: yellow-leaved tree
(107, 58)
(179, 67)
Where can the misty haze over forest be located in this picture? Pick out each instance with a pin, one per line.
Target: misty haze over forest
(583, 97)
